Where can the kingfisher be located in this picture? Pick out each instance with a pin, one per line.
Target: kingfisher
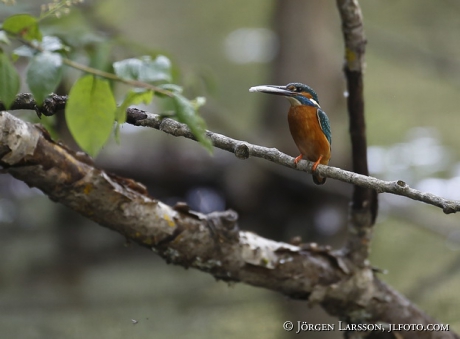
(308, 124)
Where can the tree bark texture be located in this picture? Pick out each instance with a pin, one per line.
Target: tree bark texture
(364, 204)
(211, 243)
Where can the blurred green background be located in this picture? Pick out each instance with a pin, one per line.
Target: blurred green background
(65, 277)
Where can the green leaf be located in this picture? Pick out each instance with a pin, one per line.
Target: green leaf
(44, 74)
(90, 112)
(187, 114)
(49, 43)
(9, 80)
(144, 69)
(23, 24)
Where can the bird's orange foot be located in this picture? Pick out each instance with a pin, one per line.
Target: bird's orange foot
(315, 165)
(296, 160)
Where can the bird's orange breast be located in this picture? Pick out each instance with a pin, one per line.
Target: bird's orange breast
(307, 133)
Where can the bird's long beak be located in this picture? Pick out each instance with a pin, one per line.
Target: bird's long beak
(272, 89)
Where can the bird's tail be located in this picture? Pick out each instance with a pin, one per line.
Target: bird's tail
(318, 180)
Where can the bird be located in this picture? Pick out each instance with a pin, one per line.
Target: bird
(308, 123)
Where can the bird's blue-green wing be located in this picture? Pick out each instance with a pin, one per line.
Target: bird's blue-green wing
(324, 123)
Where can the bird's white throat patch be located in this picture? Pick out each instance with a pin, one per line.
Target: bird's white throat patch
(294, 101)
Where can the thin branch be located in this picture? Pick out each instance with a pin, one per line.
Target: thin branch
(98, 72)
(244, 150)
(211, 243)
(111, 76)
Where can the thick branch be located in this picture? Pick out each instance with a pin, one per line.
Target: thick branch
(211, 243)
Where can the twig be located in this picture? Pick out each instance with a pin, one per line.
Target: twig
(244, 150)
(95, 71)
(111, 76)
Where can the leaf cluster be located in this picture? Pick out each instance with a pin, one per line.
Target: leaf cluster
(91, 111)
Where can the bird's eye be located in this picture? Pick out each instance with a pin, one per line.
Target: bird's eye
(298, 89)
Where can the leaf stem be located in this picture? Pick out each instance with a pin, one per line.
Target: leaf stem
(114, 77)
(95, 71)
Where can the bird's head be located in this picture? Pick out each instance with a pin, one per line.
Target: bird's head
(295, 92)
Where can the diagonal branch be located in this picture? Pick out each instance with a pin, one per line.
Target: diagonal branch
(211, 243)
